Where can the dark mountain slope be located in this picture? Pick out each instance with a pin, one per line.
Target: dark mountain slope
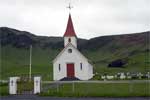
(23, 39)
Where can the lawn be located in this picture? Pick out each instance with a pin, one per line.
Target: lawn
(98, 90)
(3, 89)
(130, 89)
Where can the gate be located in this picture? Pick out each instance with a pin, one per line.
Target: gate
(25, 86)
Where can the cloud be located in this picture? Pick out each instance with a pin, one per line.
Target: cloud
(91, 18)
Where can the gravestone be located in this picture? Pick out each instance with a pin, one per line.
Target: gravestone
(13, 85)
(37, 85)
(122, 76)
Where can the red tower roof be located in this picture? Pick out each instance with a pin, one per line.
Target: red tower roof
(70, 29)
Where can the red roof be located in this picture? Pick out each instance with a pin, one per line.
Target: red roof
(70, 29)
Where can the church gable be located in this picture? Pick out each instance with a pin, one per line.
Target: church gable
(70, 51)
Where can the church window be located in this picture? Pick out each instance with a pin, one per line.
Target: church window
(81, 66)
(69, 40)
(69, 50)
(59, 67)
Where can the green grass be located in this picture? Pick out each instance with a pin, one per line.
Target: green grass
(15, 61)
(3, 89)
(88, 89)
(99, 90)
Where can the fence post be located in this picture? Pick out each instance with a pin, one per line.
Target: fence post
(131, 87)
(13, 85)
(37, 84)
(73, 87)
(57, 87)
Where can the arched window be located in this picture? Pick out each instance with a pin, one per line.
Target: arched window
(81, 66)
(69, 50)
(69, 40)
(59, 67)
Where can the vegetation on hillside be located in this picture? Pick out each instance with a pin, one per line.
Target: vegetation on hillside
(134, 49)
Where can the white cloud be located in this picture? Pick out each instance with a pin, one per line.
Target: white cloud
(91, 17)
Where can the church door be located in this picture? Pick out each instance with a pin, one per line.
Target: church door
(70, 70)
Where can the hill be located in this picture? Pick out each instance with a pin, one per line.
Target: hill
(132, 49)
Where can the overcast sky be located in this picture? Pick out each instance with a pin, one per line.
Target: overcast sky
(91, 18)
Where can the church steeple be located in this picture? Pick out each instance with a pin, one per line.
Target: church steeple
(70, 28)
(70, 35)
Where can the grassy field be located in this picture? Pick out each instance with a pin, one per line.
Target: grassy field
(15, 62)
(99, 90)
(3, 89)
(91, 89)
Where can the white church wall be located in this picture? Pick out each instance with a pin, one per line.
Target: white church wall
(73, 41)
(82, 74)
(90, 71)
(59, 74)
(75, 58)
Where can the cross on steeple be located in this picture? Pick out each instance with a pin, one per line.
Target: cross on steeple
(69, 7)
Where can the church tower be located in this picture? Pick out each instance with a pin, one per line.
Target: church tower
(70, 35)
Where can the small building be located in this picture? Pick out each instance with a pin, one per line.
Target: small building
(70, 64)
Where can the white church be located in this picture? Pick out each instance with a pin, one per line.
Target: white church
(70, 64)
